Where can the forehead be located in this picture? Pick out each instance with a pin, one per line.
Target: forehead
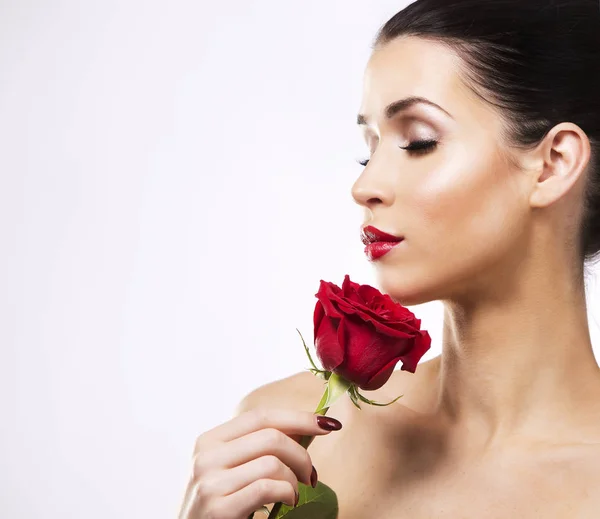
(410, 66)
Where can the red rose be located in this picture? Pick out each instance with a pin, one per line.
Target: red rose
(361, 334)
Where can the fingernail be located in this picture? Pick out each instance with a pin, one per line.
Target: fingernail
(313, 477)
(328, 424)
(297, 499)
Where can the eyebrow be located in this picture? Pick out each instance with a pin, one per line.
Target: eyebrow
(399, 106)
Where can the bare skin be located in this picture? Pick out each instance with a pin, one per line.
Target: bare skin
(505, 422)
(406, 462)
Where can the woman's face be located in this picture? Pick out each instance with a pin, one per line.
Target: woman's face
(457, 203)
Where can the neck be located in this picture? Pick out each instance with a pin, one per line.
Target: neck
(521, 364)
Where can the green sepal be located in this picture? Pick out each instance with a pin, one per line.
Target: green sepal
(320, 373)
(314, 503)
(371, 402)
(336, 387)
(307, 352)
(354, 396)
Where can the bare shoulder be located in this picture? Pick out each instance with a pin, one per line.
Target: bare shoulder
(303, 390)
(300, 391)
(415, 387)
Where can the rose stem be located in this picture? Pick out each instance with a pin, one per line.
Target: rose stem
(305, 441)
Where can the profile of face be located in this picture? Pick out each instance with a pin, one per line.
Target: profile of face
(455, 197)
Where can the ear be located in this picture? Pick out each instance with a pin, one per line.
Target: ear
(561, 160)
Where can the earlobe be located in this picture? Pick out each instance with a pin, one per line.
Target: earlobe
(565, 154)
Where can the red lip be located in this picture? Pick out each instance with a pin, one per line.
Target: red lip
(372, 234)
(378, 243)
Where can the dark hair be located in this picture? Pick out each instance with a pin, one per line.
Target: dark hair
(537, 61)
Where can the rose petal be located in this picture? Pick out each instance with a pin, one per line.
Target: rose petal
(327, 346)
(412, 357)
(400, 330)
(370, 294)
(318, 316)
(350, 293)
(381, 377)
(362, 334)
(398, 316)
(348, 284)
(353, 338)
(324, 295)
(365, 349)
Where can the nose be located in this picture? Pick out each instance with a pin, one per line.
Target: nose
(368, 191)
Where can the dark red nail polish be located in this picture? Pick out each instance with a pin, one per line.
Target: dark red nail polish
(313, 477)
(297, 499)
(328, 424)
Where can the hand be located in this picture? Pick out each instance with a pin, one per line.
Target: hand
(249, 461)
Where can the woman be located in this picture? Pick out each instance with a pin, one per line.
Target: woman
(483, 123)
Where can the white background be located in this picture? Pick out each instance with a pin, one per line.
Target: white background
(174, 182)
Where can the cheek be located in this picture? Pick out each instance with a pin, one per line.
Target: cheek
(468, 207)
(462, 216)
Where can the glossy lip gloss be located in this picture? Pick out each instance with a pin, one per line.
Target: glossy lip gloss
(378, 243)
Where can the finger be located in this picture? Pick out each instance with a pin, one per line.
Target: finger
(227, 482)
(288, 421)
(260, 443)
(253, 496)
(270, 442)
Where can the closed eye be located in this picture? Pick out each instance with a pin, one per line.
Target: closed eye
(420, 146)
(414, 148)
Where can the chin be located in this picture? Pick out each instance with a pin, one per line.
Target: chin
(406, 293)
(409, 288)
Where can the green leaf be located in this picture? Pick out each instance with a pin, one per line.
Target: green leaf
(314, 503)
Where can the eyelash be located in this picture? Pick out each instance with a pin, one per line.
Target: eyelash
(416, 147)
